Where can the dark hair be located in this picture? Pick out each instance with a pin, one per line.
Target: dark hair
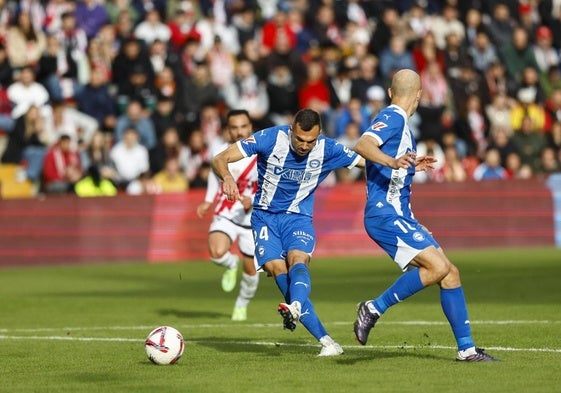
(307, 119)
(237, 112)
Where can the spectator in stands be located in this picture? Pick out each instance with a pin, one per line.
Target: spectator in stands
(27, 145)
(445, 24)
(66, 119)
(452, 170)
(430, 147)
(169, 145)
(501, 25)
(490, 168)
(183, 26)
(26, 92)
(102, 51)
(386, 25)
(24, 43)
(138, 87)
(245, 23)
(376, 100)
(221, 63)
(131, 56)
(152, 28)
(498, 112)
(418, 21)
(96, 101)
(526, 106)
(554, 136)
(74, 43)
(352, 112)
(483, 53)
(340, 86)
(136, 117)
(529, 143)
(394, 57)
(171, 178)
(456, 56)
(548, 161)
(198, 154)
(198, 91)
(94, 184)
(62, 168)
(473, 26)
(367, 77)
(143, 185)
(348, 139)
(283, 54)
(425, 51)
(96, 154)
(517, 54)
(129, 157)
(545, 54)
(530, 79)
(164, 115)
(282, 93)
(124, 28)
(90, 16)
(246, 88)
(496, 80)
(277, 25)
(501, 140)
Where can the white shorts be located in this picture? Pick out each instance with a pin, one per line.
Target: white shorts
(244, 236)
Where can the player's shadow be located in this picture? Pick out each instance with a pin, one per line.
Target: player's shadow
(355, 356)
(243, 345)
(191, 314)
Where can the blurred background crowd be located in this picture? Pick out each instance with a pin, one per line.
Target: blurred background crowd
(100, 97)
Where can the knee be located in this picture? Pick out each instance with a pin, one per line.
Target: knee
(216, 252)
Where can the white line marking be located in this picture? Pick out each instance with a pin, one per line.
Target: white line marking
(265, 325)
(269, 343)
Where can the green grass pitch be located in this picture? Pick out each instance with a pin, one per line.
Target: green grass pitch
(81, 329)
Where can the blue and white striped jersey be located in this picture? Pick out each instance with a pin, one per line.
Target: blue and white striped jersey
(389, 189)
(287, 181)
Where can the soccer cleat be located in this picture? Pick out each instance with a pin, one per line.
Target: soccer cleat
(475, 355)
(229, 278)
(329, 347)
(239, 314)
(290, 314)
(365, 320)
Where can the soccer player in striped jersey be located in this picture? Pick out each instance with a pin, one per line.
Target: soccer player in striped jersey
(292, 160)
(231, 220)
(389, 149)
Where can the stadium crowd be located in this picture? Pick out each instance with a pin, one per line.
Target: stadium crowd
(99, 97)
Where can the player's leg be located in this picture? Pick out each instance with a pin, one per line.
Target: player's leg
(250, 276)
(220, 239)
(403, 240)
(454, 307)
(310, 320)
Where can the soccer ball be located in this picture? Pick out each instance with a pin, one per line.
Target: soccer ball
(164, 345)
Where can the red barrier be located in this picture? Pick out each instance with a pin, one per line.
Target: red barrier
(166, 228)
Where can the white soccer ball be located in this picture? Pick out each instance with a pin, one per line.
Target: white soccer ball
(164, 345)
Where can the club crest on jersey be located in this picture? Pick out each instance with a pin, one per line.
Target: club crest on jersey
(249, 139)
(418, 237)
(378, 126)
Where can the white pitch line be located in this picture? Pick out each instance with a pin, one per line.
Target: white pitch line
(266, 325)
(269, 343)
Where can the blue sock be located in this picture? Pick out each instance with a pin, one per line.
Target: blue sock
(406, 285)
(454, 306)
(282, 283)
(300, 283)
(308, 318)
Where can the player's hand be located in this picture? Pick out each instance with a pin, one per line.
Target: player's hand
(230, 189)
(203, 209)
(405, 161)
(424, 163)
(246, 202)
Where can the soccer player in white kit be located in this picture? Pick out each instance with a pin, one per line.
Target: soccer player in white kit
(232, 219)
(389, 149)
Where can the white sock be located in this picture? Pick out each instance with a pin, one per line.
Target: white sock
(326, 340)
(248, 287)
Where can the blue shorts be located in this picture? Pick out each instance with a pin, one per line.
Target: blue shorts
(277, 234)
(401, 237)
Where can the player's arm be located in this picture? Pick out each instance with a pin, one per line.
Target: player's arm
(369, 148)
(220, 168)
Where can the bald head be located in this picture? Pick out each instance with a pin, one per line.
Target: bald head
(405, 90)
(405, 83)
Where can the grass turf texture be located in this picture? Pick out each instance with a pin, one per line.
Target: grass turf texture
(81, 329)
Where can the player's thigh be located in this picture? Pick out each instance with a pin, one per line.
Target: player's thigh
(246, 242)
(267, 237)
(401, 238)
(222, 233)
(298, 235)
